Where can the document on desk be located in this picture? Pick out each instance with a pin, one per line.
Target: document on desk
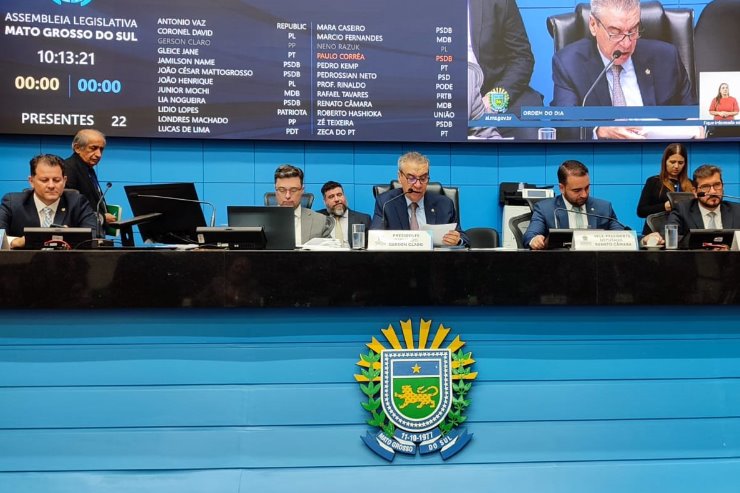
(324, 244)
(438, 231)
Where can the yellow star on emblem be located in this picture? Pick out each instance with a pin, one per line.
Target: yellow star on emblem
(416, 368)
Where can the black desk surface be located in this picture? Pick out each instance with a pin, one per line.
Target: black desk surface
(136, 278)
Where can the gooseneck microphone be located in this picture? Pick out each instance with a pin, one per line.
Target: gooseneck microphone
(615, 55)
(588, 214)
(178, 199)
(723, 196)
(101, 217)
(382, 213)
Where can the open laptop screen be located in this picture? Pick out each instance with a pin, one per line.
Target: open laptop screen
(277, 223)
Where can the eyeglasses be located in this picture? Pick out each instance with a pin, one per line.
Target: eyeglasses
(705, 188)
(619, 37)
(292, 190)
(413, 179)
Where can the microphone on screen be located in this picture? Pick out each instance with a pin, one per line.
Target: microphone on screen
(627, 228)
(615, 55)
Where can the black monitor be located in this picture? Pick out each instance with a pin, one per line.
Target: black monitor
(707, 239)
(560, 239)
(59, 238)
(277, 223)
(178, 205)
(236, 238)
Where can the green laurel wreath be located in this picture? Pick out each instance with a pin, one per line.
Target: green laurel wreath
(454, 418)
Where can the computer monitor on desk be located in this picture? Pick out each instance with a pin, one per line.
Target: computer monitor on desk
(178, 207)
(59, 238)
(560, 239)
(277, 223)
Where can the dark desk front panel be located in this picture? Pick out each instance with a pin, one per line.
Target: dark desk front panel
(120, 279)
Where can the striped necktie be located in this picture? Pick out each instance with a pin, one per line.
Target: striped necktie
(414, 221)
(617, 93)
(46, 217)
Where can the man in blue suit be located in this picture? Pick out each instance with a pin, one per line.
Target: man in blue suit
(46, 203)
(574, 208)
(410, 207)
(647, 73)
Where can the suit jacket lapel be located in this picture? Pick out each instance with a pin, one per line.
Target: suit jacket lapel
(400, 209)
(562, 215)
(61, 214)
(600, 95)
(430, 211)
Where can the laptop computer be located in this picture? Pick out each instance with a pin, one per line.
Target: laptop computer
(276, 222)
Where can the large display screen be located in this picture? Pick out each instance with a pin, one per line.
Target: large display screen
(349, 70)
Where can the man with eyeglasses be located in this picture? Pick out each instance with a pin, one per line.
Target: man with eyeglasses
(646, 73)
(410, 207)
(707, 211)
(288, 192)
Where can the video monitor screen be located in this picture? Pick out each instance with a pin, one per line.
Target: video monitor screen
(386, 70)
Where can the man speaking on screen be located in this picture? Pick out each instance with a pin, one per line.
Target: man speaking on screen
(641, 72)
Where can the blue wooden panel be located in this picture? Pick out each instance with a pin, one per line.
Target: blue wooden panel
(251, 364)
(475, 165)
(319, 325)
(17, 152)
(126, 161)
(283, 405)
(686, 476)
(227, 161)
(340, 446)
(269, 155)
(174, 160)
(329, 161)
(222, 195)
(624, 200)
(617, 165)
(522, 163)
(480, 207)
(558, 153)
(376, 163)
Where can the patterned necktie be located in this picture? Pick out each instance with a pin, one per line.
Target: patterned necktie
(338, 233)
(712, 220)
(579, 216)
(617, 93)
(46, 218)
(414, 221)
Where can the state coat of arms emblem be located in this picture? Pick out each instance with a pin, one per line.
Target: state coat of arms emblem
(417, 391)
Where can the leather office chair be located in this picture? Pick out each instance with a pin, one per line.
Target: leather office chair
(306, 199)
(482, 237)
(674, 26)
(656, 222)
(453, 193)
(518, 226)
(717, 37)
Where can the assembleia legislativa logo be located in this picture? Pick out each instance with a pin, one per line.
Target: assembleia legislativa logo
(81, 3)
(417, 391)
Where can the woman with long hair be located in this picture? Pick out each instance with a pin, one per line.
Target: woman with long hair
(673, 177)
(723, 106)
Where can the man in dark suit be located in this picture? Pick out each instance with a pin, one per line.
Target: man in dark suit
(343, 216)
(417, 208)
(45, 204)
(706, 211)
(501, 48)
(88, 146)
(647, 73)
(574, 208)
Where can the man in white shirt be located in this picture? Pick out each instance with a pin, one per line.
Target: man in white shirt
(289, 191)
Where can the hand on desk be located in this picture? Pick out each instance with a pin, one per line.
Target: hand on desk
(539, 242)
